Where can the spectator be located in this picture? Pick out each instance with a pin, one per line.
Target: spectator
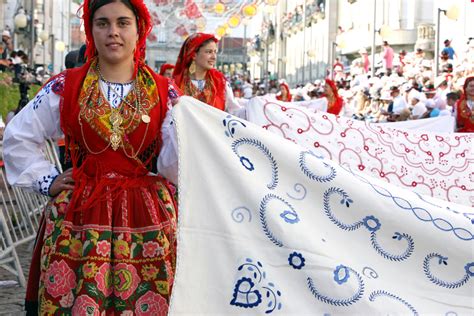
(419, 107)
(388, 57)
(6, 48)
(247, 89)
(448, 50)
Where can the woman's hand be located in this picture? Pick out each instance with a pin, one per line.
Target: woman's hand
(64, 181)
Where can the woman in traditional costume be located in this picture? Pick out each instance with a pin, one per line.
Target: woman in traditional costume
(464, 109)
(195, 75)
(166, 70)
(285, 94)
(107, 240)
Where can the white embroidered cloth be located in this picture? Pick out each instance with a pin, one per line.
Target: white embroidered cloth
(267, 227)
(435, 164)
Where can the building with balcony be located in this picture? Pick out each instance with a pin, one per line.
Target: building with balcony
(308, 34)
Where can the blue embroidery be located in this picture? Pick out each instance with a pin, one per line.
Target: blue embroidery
(407, 253)
(289, 216)
(469, 269)
(244, 294)
(340, 279)
(56, 85)
(370, 222)
(298, 187)
(44, 183)
(296, 260)
(310, 174)
(422, 213)
(370, 273)
(230, 122)
(238, 216)
(248, 164)
(378, 293)
(248, 289)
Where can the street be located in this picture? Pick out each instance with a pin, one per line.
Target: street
(12, 296)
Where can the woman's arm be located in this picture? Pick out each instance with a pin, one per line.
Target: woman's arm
(25, 137)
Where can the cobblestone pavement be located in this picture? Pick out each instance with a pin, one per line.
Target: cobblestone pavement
(12, 296)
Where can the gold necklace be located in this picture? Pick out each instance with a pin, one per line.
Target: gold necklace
(144, 116)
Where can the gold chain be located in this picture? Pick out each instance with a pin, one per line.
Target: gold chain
(116, 120)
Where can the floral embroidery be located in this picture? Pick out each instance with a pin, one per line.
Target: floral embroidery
(121, 249)
(151, 249)
(103, 248)
(149, 272)
(67, 300)
(59, 279)
(89, 270)
(75, 248)
(77, 273)
(151, 304)
(104, 279)
(126, 280)
(85, 305)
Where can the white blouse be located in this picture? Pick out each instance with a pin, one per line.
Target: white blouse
(27, 132)
(25, 136)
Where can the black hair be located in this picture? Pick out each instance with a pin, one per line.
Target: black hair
(81, 59)
(95, 5)
(453, 95)
(70, 60)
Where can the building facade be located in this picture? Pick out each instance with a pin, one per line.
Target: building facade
(309, 34)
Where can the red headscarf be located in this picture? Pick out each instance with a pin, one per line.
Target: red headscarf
(144, 28)
(165, 67)
(216, 96)
(285, 86)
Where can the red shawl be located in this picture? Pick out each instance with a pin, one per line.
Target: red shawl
(464, 115)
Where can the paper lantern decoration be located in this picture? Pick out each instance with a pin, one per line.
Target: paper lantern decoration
(234, 21)
(249, 10)
(453, 12)
(201, 23)
(43, 35)
(219, 8)
(60, 46)
(220, 31)
(21, 20)
(271, 2)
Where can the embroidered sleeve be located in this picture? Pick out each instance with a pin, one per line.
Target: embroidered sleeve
(56, 86)
(26, 135)
(173, 94)
(44, 183)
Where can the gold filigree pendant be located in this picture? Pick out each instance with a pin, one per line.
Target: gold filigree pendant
(115, 140)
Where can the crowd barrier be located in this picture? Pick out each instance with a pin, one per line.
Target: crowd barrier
(20, 216)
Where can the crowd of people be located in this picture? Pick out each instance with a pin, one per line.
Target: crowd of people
(111, 223)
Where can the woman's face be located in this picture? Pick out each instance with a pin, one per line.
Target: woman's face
(283, 91)
(470, 89)
(205, 58)
(115, 33)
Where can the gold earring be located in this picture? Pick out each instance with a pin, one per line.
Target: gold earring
(192, 68)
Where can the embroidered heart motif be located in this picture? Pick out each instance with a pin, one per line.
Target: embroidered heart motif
(244, 296)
